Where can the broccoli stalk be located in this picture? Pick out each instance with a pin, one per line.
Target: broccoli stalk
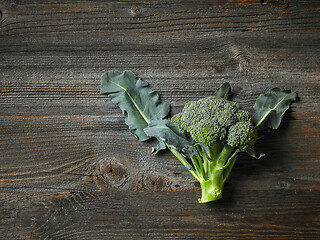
(211, 167)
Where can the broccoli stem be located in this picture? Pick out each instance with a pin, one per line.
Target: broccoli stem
(216, 158)
(185, 162)
(229, 166)
(214, 150)
(223, 156)
(211, 167)
(212, 188)
(218, 164)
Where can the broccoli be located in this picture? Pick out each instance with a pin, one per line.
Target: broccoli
(218, 128)
(206, 136)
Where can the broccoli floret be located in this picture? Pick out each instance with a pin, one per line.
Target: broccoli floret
(177, 119)
(242, 135)
(206, 131)
(243, 116)
(213, 119)
(219, 129)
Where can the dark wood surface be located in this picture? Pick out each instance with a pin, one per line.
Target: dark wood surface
(69, 169)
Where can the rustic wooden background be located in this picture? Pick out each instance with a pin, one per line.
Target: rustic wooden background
(71, 170)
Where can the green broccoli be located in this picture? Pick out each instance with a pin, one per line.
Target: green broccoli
(219, 128)
(206, 136)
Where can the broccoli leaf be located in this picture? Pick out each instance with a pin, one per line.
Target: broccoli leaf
(252, 152)
(271, 106)
(223, 91)
(161, 146)
(138, 102)
(168, 132)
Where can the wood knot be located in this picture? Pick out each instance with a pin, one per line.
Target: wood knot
(135, 11)
(153, 183)
(112, 173)
(242, 58)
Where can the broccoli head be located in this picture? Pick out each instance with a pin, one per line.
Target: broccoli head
(213, 119)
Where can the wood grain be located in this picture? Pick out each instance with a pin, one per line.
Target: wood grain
(149, 215)
(71, 170)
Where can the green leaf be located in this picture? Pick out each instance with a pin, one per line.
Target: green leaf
(169, 132)
(223, 91)
(271, 106)
(161, 146)
(252, 152)
(138, 102)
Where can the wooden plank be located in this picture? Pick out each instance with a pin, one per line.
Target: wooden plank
(283, 214)
(157, 17)
(53, 86)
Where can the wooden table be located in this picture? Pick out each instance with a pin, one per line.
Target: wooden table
(71, 170)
